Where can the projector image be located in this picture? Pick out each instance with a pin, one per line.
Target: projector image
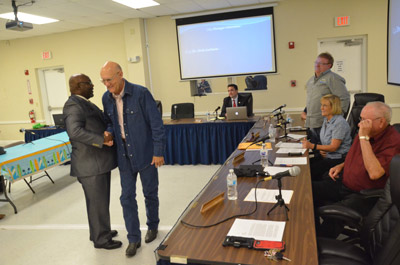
(19, 25)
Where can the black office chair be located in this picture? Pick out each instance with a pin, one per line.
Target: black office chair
(397, 126)
(159, 106)
(379, 234)
(182, 111)
(360, 100)
(248, 99)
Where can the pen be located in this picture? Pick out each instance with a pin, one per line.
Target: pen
(283, 165)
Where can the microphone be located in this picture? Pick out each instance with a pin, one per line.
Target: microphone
(217, 109)
(278, 113)
(282, 106)
(24, 131)
(292, 172)
(262, 139)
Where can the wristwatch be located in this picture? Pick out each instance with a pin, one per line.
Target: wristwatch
(364, 138)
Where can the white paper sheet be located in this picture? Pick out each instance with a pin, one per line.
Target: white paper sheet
(291, 161)
(268, 195)
(274, 170)
(296, 136)
(290, 150)
(289, 145)
(257, 229)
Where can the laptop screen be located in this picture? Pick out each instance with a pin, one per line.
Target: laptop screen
(236, 113)
(59, 120)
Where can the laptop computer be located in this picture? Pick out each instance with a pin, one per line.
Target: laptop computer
(236, 113)
(59, 120)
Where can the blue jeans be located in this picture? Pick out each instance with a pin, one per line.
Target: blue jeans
(149, 179)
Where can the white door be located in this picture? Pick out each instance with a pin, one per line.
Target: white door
(54, 91)
(350, 62)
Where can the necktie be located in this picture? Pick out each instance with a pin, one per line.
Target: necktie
(234, 103)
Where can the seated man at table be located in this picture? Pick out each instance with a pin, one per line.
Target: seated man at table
(235, 100)
(366, 166)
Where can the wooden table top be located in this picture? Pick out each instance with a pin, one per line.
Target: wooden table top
(204, 245)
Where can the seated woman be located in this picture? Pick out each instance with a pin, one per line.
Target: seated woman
(335, 138)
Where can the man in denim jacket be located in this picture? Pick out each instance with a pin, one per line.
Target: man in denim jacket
(135, 122)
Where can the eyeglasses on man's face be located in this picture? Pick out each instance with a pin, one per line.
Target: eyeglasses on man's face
(104, 81)
(318, 63)
(363, 119)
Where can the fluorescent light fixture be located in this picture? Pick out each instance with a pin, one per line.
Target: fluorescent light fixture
(28, 18)
(137, 3)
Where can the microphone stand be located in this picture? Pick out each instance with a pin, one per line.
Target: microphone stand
(280, 202)
(284, 122)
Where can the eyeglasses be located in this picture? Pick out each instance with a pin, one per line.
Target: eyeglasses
(89, 83)
(362, 119)
(318, 63)
(104, 81)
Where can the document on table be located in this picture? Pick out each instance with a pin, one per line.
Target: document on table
(296, 136)
(291, 161)
(257, 229)
(290, 150)
(268, 196)
(289, 145)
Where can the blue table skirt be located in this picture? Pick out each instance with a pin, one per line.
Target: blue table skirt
(203, 143)
(188, 144)
(31, 135)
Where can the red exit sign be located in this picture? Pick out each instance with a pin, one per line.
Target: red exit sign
(342, 21)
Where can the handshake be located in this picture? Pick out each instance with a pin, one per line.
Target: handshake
(108, 139)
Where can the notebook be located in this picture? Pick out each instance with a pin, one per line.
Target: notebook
(236, 113)
(59, 120)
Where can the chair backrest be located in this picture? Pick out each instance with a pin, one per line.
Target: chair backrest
(248, 98)
(182, 110)
(159, 106)
(360, 100)
(381, 228)
(397, 126)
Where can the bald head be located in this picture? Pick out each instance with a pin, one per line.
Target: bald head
(80, 84)
(379, 115)
(112, 77)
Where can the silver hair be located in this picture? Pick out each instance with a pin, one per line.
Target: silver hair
(383, 109)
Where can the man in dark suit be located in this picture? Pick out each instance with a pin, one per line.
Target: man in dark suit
(234, 100)
(92, 158)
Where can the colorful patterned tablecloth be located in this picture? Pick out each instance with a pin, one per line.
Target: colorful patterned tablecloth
(24, 160)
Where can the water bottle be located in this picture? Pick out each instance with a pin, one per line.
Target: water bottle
(272, 133)
(231, 183)
(264, 155)
(208, 116)
(289, 120)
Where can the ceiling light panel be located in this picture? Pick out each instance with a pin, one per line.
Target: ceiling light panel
(137, 3)
(28, 18)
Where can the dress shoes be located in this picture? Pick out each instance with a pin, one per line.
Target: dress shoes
(113, 233)
(131, 249)
(150, 235)
(112, 244)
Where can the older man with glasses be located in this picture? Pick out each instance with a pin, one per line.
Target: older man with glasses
(366, 165)
(323, 82)
(135, 122)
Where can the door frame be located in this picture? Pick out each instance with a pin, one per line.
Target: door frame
(43, 91)
(363, 57)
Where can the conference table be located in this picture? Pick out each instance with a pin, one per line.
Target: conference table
(188, 245)
(23, 161)
(188, 141)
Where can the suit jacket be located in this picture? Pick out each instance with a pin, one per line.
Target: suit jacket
(241, 102)
(85, 126)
